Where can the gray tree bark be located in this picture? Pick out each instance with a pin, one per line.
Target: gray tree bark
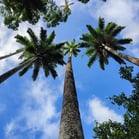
(124, 56)
(70, 125)
(12, 71)
(11, 54)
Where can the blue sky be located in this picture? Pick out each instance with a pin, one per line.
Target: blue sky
(32, 110)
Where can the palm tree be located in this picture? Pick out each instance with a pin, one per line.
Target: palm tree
(11, 54)
(66, 7)
(38, 53)
(16, 11)
(102, 43)
(70, 125)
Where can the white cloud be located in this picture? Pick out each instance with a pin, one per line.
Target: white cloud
(98, 111)
(135, 51)
(123, 12)
(38, 114)
(8, 43)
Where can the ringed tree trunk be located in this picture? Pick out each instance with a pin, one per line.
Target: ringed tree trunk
(12, 71)
(124, 56)
(11, 54)
(70, 124)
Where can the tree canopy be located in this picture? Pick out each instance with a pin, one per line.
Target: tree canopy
(129, 129)
(38, 53)
(15, 12)
(100, 36)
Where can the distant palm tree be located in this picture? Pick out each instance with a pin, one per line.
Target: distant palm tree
(38, 53)
(66, 7)
(102, 43)
(70, 125)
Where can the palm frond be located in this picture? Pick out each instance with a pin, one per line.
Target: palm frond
(43, 34)
(59, 45)
(101, 62)
(66, 52)
(51, 38)
(90, 50)
(22, 40)
(53, 72)
(25, 69)
(36, 71)
(110, 27)
(101, 23)
(117, 30)
(119, 47)
(125, 41)
(83, 45)
(92, 59)
(87, 37)
(32, 36)
(92, 31)
(46, 71)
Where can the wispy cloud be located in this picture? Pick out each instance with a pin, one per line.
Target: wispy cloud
(123, 12)
(8, 43)
(38, 117)
(100, 112)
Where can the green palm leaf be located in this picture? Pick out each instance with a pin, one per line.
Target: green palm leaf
(92, 31)
(22, 40)
(101, 23)
(125, 41)
(33, 37)
(101, 43)
(36, 70)
(101, 62)
(25, 69)
(48, 54)
(50, 38)
(43, 34)
(72, 48)
(92, 59)
(110, 27)
(117, 30)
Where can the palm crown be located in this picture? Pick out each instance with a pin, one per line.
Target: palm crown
(47, 54)
(96, 40)
(38, 53)
(16, 11)
(71, 48)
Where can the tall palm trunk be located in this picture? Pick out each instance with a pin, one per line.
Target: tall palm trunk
(9, 73)
(70, 125)
(11, 54)
(124, 56)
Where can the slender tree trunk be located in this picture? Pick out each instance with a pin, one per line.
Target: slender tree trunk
(124, 56)
(70, 125)
(11, 54)
(9, 73)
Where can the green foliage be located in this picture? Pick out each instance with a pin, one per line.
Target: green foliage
(129, 129)
(47, 53)
(71, 48)
(86, 1)
(109, 130)
(16, 11)
(96, 40)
